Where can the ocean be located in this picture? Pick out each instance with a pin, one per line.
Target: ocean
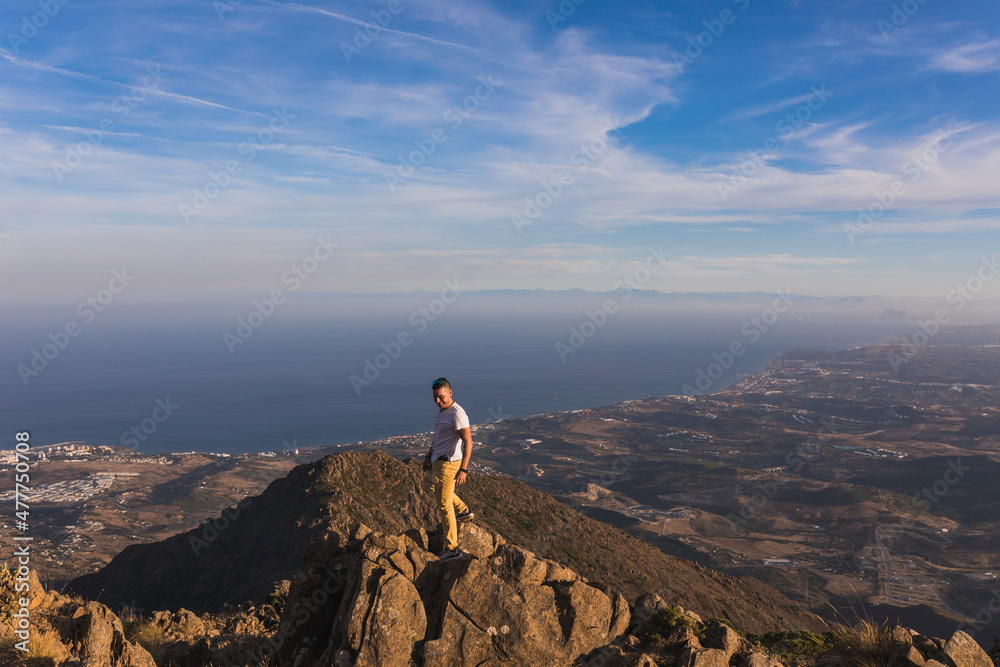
(330, 371)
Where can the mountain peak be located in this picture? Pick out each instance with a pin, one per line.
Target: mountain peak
(313, 512)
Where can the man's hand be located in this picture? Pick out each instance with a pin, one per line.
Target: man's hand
(460, 478)
(427, 462)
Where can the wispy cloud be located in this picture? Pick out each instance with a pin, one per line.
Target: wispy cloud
(349, 19)
(183, 99)
(977, 57)
(766, 109)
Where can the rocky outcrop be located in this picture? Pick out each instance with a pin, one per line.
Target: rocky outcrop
(909, 649)
(251, 547)
(670, 637)
(84, 634)
(386, 600)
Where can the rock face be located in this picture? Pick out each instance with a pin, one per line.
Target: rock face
(388, 601)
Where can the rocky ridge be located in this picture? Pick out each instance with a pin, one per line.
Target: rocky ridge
(267, 539)
(382, 600)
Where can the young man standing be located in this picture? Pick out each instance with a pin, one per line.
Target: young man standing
(448, 462)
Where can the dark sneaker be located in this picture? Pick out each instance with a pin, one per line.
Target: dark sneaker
(450, 554)
(467, 515)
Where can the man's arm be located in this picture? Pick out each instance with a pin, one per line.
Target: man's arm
(466, 435)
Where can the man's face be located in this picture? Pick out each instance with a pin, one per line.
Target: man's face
(442, 396)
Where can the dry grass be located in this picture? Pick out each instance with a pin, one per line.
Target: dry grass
(44, 645)
(867, 644)
(44, 649)
(245, 650)
(190, 631)
(151, 637)
(129, 615)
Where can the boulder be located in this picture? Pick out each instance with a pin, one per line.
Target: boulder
(519, 565)
(648, 604)
(690, 614)
(906, 655)
(36, 593)
(760, 660)
(720, 636)
(475, 541)
(181, 624)
(683, 637)
(419, 537)
(504, 596)
(394, 621)
(384, 617)
(963, 651)
(704, 657)
(928, 644)
(93, 635)
(360, 532)
(462, 642)
(620, 617)
(557, 573)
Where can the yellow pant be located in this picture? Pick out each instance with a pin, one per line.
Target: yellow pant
(440, 480)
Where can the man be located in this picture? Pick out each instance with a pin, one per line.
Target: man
(447, 463)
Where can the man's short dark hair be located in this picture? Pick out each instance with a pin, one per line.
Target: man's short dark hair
(440, 382)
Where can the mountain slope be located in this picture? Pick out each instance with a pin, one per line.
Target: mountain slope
(245, 554)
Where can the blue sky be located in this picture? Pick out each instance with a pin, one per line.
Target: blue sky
(741, 137)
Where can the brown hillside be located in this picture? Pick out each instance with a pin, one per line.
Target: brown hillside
(244, 555)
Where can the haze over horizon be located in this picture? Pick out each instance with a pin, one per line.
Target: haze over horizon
(209, 149)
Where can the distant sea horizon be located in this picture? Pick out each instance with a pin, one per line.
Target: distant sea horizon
(359, 369)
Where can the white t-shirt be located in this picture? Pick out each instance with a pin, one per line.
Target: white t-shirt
(447, 441)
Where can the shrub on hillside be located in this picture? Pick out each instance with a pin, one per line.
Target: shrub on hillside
(8, 594)
(789, 644)
(662, 624)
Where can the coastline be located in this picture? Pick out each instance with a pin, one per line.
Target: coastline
(488, 396)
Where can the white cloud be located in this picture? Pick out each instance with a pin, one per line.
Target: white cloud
(976, 57)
